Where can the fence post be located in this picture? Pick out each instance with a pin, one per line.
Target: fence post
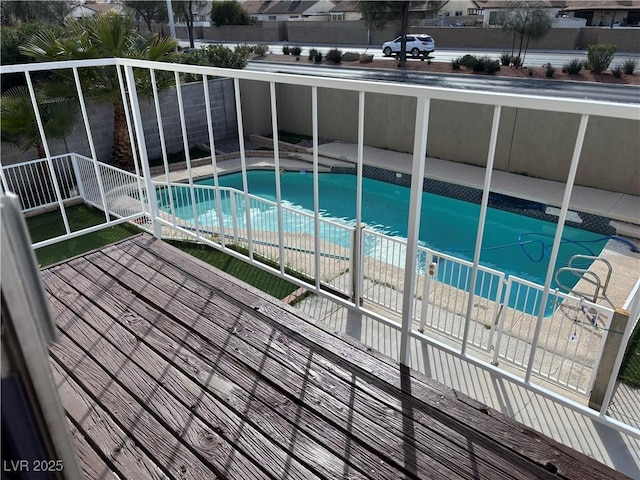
(76, 172)
(142, 150)
(357, 263)
(606, 366)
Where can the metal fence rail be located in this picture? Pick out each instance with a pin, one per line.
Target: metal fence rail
(33, 181)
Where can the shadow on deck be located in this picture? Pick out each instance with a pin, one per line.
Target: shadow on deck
(168, 368)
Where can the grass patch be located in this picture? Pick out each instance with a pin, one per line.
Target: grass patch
(194, 153)
(630, 368)
(254, 276)
(50, 225)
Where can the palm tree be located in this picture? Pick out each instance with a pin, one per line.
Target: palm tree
(18, 120)
(102, 36)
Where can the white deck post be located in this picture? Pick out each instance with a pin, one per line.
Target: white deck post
(415, 206)
(142, 151)
(481, 221)
(575, 160)
(45, 145)
(276, 171)
(358, 245)
(96, 169)
(316, 193)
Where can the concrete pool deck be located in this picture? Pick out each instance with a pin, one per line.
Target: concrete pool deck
(618, 450)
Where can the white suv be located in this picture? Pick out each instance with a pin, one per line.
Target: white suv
(417, 44)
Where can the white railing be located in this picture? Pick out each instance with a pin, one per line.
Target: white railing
(465, 281)
(34, 182)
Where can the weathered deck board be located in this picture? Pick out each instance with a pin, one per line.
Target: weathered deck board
(491, 423)
(197, 376)
(435, 441)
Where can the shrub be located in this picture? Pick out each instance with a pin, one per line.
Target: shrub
(549, 70)
(617, 71)
(505, 59)
(216, 56)
(296, 51)
(312, 53)
(573, 67)
(516, 61)
(350, 57)
(285, 50)
(481, 63)
(244, 49)
(455, 64)
(468, 61)
(261, 49)
(492, 66)
(599, 57)
(366, 58)
(318, 58)
(334, 55)
(629, 66)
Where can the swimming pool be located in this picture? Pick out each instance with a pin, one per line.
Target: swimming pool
(514, 244)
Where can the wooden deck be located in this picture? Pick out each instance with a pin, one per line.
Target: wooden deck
(168, 368)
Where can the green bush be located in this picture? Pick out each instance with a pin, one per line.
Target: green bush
(215, 56)
(455, 64)
(468, 61)
(516, 61)
(573, 67)
(296, 51)
(629, 66)
(285, 50)
(617, 71)
(599, 57)
(318, 58)
(505, 59)
(334, 55)
(549, 70)
(261, 49)
(492, 66)
(312, 53)
(244, 49)
(481, 63)
(350, 57)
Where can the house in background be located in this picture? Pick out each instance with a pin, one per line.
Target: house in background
(615, 13)
(345, 11)
(91, 9)
(313, 10)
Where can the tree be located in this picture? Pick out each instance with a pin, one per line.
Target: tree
(17, 12)
(18, 124)
(149, 11)
(184, 10)
(527, 20)
(433, 7)
(377, 14)
(106, 35)
(10, 40)
(229, 12)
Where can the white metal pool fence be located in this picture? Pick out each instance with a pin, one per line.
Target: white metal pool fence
(360, 269)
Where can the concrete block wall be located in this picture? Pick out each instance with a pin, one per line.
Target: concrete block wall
(262, 32)
(223, 113)
(101, 124)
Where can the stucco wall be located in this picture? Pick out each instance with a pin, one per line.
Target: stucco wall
(101, 123)
(530, 142)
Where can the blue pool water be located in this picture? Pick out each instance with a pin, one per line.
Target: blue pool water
(514, 244)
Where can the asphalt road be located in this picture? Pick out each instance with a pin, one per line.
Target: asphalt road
(553, 88)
